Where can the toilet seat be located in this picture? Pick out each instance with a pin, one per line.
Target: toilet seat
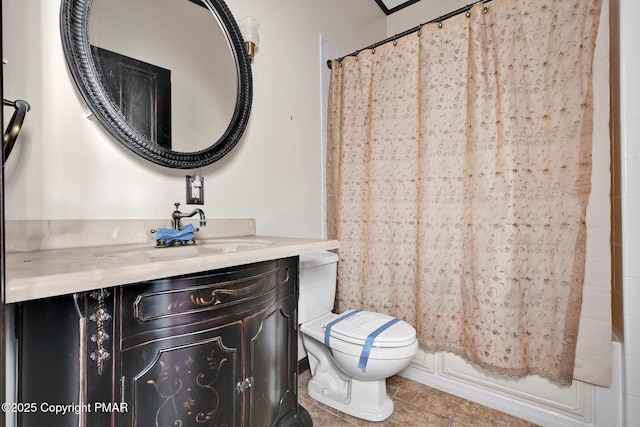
(358, 325)
(349, 337)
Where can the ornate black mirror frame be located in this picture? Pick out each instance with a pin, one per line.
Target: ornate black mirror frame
(74, 20)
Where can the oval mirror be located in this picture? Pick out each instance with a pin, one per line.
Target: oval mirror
(170, 79)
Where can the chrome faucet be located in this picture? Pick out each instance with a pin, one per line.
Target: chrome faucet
(177, 215)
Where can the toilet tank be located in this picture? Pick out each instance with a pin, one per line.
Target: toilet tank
(317, 285)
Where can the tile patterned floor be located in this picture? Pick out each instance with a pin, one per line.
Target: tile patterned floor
(416, 405)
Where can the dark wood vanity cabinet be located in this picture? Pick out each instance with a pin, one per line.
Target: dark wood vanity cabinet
(207, 349)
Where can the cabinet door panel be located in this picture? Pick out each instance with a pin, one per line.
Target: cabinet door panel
(272, 392)
(48, 360)
(185, 380)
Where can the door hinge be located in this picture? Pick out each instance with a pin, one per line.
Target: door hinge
(122, 386)
(295, 382)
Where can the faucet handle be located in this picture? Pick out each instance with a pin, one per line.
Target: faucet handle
(177, 205)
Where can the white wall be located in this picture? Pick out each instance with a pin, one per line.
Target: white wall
(66, 167)
(630, 193)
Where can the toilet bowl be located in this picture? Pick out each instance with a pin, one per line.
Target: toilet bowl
(350, 354)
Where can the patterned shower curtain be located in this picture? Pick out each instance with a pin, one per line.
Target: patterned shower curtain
(458, 175)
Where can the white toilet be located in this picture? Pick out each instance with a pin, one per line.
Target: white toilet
(350, 354)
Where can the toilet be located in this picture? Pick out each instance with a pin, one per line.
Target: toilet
(351, 354)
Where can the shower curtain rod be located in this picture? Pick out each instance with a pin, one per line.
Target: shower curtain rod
(412, 30)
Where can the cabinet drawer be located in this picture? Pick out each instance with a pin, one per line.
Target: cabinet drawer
(193, 299)
(150, 306)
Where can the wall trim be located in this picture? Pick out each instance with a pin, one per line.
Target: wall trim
(605, 403)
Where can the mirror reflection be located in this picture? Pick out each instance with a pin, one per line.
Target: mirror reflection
(168, 68)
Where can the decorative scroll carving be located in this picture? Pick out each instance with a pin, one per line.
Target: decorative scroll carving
(100, 337)
(222, 295)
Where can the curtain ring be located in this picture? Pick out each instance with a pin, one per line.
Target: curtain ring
(340, 63)
(486, 9)
(395, 42)
(356, 54)
(419, 29)
(468, 11)
(373, 50)
(439, 24)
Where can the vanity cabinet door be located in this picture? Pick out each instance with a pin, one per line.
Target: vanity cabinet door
(49, 350)
(273, 368)
(187, 380)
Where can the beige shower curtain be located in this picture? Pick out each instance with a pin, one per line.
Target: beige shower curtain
(458, 174)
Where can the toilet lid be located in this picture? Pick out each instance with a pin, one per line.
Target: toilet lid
(359, 326)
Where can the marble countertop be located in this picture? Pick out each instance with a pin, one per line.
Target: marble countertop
(43, 273)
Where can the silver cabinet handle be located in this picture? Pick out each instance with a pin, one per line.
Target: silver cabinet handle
(241, 386)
